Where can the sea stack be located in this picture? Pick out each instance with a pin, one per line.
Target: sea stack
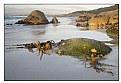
(54, 20)
(36, 17)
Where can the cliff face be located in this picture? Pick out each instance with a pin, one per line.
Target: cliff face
(36, 17)
(112, 14)
(99, 18)
(98, 22)
(103, 19)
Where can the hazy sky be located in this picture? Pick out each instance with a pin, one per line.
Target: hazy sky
(49, 9)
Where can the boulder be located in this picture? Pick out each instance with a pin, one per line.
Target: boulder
(54, 20)
(36, 17)
(81, 46)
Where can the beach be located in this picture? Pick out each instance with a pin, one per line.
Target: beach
(20, 64)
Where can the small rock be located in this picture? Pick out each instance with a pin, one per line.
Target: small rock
(54, 20)
(9, 24)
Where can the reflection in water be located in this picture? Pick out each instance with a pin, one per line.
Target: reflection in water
(46, 53)
(56, 24)
(43, 48)
(48, 47)
(38, 32)
(99, 67)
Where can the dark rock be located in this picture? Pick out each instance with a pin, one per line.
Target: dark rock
(20, 22)
(36, 17)
(9, 24)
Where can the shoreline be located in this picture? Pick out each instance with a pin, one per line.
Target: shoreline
(115, 39)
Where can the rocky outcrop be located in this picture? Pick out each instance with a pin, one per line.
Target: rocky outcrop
(82, 24)
(98, 22)
(81, 46)
(83, 18)
(103, 19)
(36, 17)
(113, 16)
(54, 20)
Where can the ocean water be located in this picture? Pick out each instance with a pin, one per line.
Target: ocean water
(20, 64)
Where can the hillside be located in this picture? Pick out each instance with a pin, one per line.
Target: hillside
(95, 11)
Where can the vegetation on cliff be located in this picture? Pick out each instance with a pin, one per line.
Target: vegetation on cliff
(95, 11)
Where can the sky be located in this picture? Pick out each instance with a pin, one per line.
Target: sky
(49, 9)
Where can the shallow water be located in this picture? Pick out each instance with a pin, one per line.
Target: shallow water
(20, 64)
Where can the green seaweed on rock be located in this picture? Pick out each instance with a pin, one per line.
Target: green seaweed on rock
(82, 46)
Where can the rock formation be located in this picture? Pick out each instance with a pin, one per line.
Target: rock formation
(103, 19)
(36, 17)
(113, 16)
(83, 18)
(54, 20)
(98, 22)
(81, 46)
(82, 24)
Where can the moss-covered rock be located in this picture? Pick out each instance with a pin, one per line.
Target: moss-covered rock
(82, 46)
(113, 32)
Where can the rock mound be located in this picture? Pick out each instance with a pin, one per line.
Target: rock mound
(81, 46)
(36, 17)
